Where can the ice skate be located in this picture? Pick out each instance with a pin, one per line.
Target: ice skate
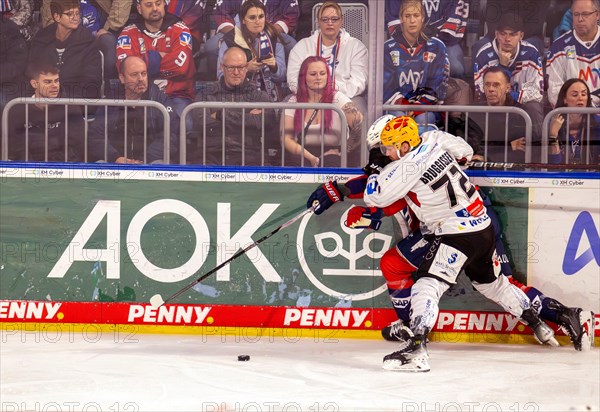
(413, 357)
(395, 331)
(542, 332)
(579, 325)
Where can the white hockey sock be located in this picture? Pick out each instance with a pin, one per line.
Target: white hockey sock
(511, 298)
(425, 295)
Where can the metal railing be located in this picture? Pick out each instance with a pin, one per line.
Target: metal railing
(277, 107)
(75, 103)
(279, 130)
(476, 109)
(588, 111)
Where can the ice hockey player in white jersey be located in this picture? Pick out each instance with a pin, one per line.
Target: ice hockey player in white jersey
(426, 174)
(399, 262)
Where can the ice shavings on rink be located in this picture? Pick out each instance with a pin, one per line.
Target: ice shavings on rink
(125, 371)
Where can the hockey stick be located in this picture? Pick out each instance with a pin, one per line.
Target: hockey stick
(500, 165)
(157, 301)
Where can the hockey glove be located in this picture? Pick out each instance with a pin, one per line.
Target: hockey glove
(364, 218)
(324, 197)
(377, 161)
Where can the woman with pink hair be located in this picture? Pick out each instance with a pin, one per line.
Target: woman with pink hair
(307, 131)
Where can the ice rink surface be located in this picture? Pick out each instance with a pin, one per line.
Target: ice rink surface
(105, 371)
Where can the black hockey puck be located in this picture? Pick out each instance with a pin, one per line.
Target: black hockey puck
(243, 358)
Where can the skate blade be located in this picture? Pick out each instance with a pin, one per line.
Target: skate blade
(397, 365)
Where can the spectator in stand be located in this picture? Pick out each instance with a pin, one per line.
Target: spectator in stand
(133, 134)
(21, 13)
(263, 46)
(304, 27)
(346, 56)
(13, 57)
(415, 68)
(105, 19)
(29, 126)
(282, 15)
(72, 48)
(303, 128)
(444, 19)
(243, 145)
(576, 141)
(576, 54)
(532, 12)
(521, 59)
(505, 138)
(164, 42)
(192, 12)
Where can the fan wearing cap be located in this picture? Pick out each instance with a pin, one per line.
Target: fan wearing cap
(519, 57)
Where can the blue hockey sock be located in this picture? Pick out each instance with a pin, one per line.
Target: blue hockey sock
(401, 301)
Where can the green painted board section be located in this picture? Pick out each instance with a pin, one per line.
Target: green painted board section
(40, 217)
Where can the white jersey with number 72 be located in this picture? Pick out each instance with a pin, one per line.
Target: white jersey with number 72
(434, 186)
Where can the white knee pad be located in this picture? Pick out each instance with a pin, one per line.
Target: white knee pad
(511, 298)
(425, 296)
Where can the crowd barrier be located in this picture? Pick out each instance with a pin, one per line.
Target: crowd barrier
(278, 107)
(476, 109)
(509, 112)
(589, 111)
(84, 104)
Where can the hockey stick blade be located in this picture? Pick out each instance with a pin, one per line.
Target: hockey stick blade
(157, 301)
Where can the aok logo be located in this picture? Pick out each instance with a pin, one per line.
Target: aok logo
(226, 244)
(350, 259)
(584, 227)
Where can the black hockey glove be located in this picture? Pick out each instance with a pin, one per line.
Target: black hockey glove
(377, 161)
(324, 197)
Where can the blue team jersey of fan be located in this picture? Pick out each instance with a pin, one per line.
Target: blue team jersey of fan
(405, 70)
(527, 77)
(570, 57)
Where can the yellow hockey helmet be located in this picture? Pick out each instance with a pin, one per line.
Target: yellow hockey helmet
(399, 130)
